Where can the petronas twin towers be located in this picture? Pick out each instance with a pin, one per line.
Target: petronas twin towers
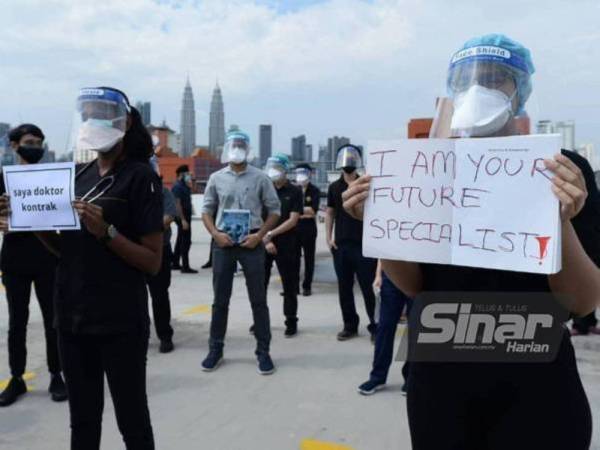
(216, 130)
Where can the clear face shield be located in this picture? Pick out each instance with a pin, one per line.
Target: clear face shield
(275, 170)
(302, 176)
(100, 120)
(237, 150)
(487, 96)
(348, 159)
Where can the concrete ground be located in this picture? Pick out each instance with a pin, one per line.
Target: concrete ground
(310, 403)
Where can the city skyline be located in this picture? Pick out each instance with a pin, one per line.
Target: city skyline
(286, 65)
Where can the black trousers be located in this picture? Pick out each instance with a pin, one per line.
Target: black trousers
(348, 262)
(224, 266)
(306, 245)
(583, 324)
(159, 291)
(18, 293)
(495, 406)
(183, 243)
(122, 357)
(287, 265)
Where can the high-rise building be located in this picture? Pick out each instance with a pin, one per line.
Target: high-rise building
(309, 153)
(216, 127)
(265, 143)
(188, 122)
(333, 144)
(145, 109)
(4, 144)
(565, 128)
(567, 131)
(299, 148)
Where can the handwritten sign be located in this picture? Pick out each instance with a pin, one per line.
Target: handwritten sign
(483, 202)
(41, 197)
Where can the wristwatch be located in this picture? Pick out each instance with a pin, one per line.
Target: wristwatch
(269, 236)
(111, 233)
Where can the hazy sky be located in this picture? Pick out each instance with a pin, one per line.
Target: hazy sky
(347, 67)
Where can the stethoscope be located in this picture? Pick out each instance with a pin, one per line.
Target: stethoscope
(96, 191)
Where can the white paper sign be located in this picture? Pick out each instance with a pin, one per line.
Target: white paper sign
(483, 202)
(41, 197)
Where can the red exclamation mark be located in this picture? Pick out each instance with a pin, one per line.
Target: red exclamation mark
(543, 242)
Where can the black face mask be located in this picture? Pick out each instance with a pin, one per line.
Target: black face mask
(30, 154)
(349, 170)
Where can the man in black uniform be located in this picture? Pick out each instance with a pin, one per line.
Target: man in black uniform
(307, 225)
(281, 242)
(183, 196)
(25, 260)
(346, 247)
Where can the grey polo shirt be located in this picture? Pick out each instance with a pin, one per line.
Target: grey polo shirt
(251, 189)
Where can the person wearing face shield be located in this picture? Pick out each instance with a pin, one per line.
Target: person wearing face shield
(241, 190)
(346, 247)
(281, 242)
(25, 261)
(307, 225)
(504, 405)
(183, 196)
(101, 299)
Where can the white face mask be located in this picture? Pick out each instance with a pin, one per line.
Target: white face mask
(302, 179)
(237, 155)
(98, 136)
(480, 111)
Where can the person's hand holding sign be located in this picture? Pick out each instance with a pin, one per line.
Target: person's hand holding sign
(354, 197)
(568, 184)
(92, 217)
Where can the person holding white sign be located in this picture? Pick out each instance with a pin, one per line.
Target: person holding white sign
(25, 261)
(101, 298)
(503, 405)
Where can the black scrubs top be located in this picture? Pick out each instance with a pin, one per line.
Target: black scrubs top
(290, 197)
(346, 227)
(97, 291)
(440, 277)
(311, 197)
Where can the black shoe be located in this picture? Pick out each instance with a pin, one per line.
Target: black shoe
(166, 346)
(208, 265)
(16, 387)
(344, 335)
(307, 292)
(291, 331)
(57, 388)
(188, 270)
(404, 389)
(370, 387)
(212, 361)
(251, 329)
(282, 294)
(265, 364)
(175, 266)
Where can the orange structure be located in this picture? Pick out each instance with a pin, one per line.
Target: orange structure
(419, 128)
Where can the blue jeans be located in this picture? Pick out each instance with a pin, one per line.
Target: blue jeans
(392, 304)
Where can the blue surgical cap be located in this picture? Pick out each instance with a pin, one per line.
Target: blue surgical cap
(281, 159)
(515, 56)
(238, 135)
